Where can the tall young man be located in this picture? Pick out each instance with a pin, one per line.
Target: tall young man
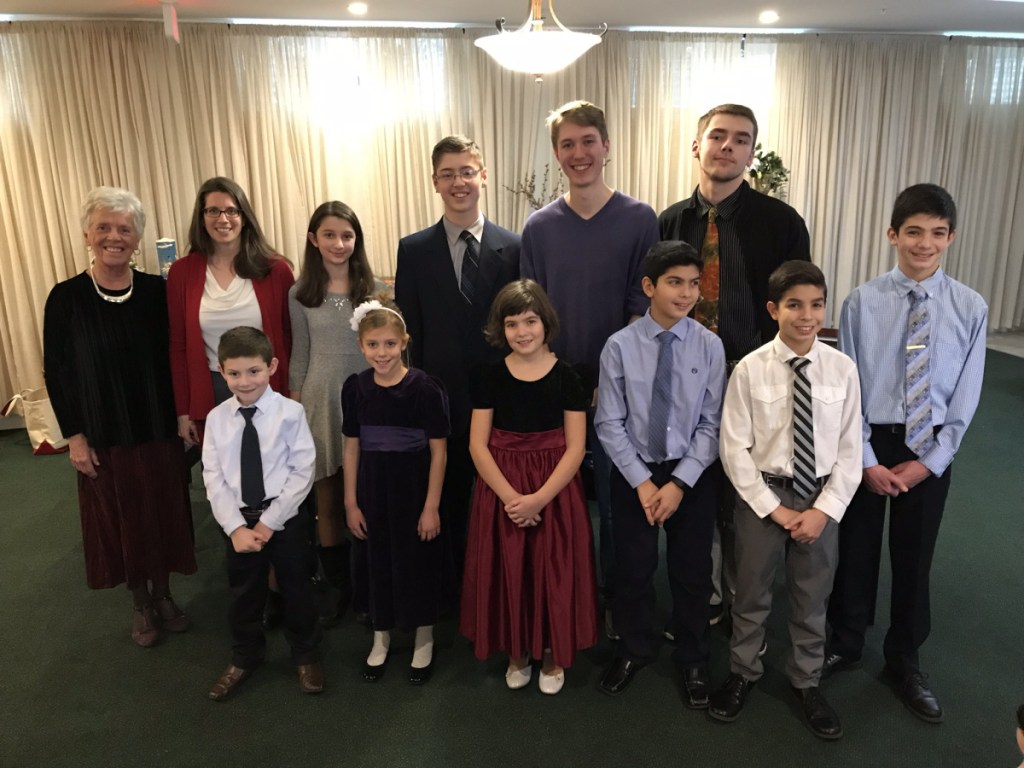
(587, 249)
(447, 277)
(743, 236)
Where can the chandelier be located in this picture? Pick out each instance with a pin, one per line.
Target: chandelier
(535, 50)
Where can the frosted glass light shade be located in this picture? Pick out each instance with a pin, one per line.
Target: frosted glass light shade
(537, 51)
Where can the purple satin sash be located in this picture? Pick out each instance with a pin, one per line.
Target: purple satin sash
(399, 439)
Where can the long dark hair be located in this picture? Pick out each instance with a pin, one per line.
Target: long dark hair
(256, 255)
(311, 289)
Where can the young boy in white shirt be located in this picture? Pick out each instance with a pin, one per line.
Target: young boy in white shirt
(791, 445)
(255, 483)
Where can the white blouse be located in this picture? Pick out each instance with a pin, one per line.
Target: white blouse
(222, 309)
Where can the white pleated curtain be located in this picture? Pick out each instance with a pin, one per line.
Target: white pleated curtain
(299, 116)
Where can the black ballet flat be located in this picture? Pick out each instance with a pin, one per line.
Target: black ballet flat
(372, 674)
(421, 675)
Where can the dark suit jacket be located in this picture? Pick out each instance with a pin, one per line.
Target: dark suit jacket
(770, 232)
(447, 333)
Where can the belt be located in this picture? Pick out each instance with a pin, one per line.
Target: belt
(898, 429)
(256, 510)
(786, 483)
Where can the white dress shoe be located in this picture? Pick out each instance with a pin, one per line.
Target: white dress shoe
(518, 678)
(551, 684)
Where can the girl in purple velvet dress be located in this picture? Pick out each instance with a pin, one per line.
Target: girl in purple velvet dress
(396, 428)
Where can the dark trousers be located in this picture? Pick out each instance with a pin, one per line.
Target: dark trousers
(456, 493)
(290, 552)
(913, 530)
(688, 535)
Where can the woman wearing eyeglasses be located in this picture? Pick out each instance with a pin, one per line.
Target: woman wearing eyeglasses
(231, 277)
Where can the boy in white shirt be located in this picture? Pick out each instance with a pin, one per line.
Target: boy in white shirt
(791, 445)
(258, 457)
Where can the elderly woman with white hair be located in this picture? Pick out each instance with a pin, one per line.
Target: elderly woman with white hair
(107, 370)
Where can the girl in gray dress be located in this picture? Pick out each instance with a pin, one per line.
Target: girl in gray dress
(336, 277)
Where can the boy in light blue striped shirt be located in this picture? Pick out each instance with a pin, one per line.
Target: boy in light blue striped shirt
(918, 338)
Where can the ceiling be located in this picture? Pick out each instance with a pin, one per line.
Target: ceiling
(993, 17)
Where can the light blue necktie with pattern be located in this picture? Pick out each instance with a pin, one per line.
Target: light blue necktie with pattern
(920, 436)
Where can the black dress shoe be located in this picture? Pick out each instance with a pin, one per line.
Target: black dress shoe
(819, 716)
(618, 676)
(695, 681)
(918, 697)
(372, 673)
(725, 704)
(421, 675)
(835, 662)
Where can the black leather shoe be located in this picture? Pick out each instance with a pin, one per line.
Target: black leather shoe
(695, 681)
(725, 704)
(819, 716)
(421, 675)
(618, 676)
(372, 674)
(918, 697)
(834, 662)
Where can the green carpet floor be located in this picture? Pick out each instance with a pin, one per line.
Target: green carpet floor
(75, 691)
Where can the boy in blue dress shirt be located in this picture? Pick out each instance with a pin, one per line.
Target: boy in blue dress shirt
(658, 408)
(921, 388)
(258, 457)
(790, 443)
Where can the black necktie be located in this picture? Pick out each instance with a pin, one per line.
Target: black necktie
(252, 462)
(470, 265)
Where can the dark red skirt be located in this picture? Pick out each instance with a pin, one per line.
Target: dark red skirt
(136, 515)
(527, 589)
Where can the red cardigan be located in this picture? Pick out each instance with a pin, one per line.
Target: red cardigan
(190, 370)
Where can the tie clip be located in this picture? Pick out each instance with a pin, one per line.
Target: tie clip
(916, 346)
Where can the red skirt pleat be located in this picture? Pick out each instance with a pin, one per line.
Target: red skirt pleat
(136, 515)
(527, 589)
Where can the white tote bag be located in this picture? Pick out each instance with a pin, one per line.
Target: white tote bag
(40, 421)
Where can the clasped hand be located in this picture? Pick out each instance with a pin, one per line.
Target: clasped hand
(253, 539)
(524, 510)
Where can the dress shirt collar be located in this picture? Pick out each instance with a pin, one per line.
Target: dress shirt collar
(452, 231)
(651, 329)
(784, 353)
(906, 285)
(726, 208)
(264, 404)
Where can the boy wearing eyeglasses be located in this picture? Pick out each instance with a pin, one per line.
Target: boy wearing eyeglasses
(447, 277)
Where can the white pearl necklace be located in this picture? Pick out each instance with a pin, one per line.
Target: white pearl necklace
(114, 299)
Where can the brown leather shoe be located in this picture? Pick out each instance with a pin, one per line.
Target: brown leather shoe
(229, 679)
(144, 631)
(172, 618)
(311, 677)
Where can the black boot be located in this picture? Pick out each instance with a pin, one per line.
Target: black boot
(335, 592)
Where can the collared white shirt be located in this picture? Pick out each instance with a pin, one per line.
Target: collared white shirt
(287, 451)
(457, 245)
(757, 425)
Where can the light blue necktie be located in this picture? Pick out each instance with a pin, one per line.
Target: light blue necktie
(920, 435)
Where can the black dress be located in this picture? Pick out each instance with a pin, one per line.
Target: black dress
(394, 426)
(108, 375)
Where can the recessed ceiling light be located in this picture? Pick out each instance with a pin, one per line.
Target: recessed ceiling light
(358, 9)
(768, 17)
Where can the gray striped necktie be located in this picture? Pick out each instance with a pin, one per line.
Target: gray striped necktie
(920, 433)
(805, 478)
